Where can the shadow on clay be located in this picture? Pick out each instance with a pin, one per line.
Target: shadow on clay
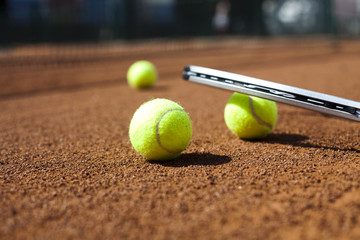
(191, 159)
(284, 138)
(298, 141)
(155, 88)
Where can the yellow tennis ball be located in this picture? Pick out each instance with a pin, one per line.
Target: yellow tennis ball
(160, 129)
(250, 117)
(141, 74)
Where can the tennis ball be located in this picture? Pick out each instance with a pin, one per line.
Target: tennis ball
(141, 74)
(250, 117)
(160, 129)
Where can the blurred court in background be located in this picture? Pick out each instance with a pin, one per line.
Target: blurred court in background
(54, 21)
(39, 35)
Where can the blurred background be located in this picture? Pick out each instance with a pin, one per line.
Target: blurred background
(69, 21)
(60, 44)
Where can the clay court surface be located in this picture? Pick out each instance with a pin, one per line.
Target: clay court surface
(68, 171)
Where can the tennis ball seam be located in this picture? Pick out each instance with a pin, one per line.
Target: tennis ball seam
(257, 118)
(157, 130)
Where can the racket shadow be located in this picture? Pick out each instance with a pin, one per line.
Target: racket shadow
(195, 159)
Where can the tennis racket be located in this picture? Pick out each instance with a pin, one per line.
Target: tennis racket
(316, 101)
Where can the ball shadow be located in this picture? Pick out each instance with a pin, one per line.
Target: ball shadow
(298, 140)
(284, 138)
(191, 159)
(155, 88)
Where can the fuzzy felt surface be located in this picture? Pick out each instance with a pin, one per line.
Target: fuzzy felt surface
(160, 129)
(250, 117)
